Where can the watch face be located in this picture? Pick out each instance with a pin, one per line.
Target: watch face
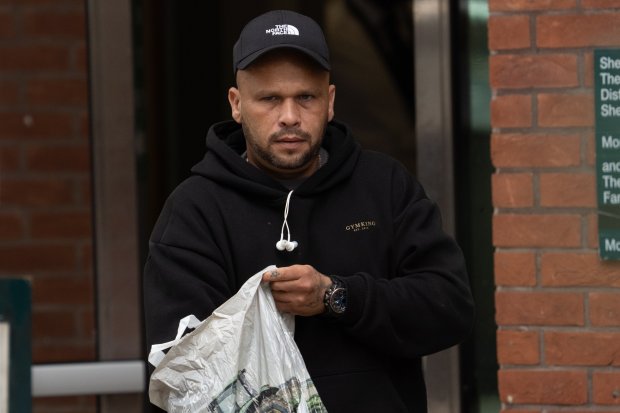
(338, 300)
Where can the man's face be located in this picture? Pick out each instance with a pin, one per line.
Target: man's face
(283, 102)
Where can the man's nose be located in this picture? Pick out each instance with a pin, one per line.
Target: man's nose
(289, 113)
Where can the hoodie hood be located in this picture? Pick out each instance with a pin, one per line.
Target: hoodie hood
(224, 164)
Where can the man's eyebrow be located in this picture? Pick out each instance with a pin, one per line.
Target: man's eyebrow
(265, 92)
(274, 92)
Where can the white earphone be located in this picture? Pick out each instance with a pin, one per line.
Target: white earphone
(286, 244)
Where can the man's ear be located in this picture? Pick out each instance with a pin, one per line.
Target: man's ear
(235, 103)
(332, 99)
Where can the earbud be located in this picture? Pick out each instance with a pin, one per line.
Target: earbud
(291, 245)
(286, 245)
(281, 245)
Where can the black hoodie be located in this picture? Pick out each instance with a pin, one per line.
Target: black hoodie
(362, 217)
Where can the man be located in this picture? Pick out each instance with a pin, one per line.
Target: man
(361, 258)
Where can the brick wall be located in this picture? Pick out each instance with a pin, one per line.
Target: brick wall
(45, 199)
(557, 304)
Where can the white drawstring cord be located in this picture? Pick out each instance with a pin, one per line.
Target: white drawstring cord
(286, 244)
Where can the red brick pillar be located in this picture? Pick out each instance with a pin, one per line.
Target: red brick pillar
(557, 303)
(45, 199)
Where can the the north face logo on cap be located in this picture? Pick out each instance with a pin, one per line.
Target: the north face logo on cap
(280, 29)
(276, 29)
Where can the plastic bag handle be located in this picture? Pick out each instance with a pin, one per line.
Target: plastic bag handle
(157, 350)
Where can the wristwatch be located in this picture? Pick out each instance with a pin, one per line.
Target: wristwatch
(335, 299)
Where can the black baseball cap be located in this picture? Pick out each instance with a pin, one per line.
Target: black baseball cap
(280, 29)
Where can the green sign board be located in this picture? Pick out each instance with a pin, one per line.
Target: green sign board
(15, 346)
(607, 134)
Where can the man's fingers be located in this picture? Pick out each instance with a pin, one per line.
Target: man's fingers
(271, 275)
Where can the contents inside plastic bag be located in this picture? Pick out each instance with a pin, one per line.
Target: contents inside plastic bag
(242, 358)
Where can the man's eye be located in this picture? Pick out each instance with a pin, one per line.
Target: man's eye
(305, 98)
(268, 98)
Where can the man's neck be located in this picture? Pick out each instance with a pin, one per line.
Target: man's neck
(292, 182)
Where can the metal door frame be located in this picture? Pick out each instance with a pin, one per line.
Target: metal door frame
(434, 153)
(112, 113)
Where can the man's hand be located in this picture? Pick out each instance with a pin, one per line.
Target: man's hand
(298, 289)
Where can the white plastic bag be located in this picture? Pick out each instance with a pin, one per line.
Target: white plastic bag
(242, 358)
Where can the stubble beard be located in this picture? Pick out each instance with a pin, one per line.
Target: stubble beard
(281, 162)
